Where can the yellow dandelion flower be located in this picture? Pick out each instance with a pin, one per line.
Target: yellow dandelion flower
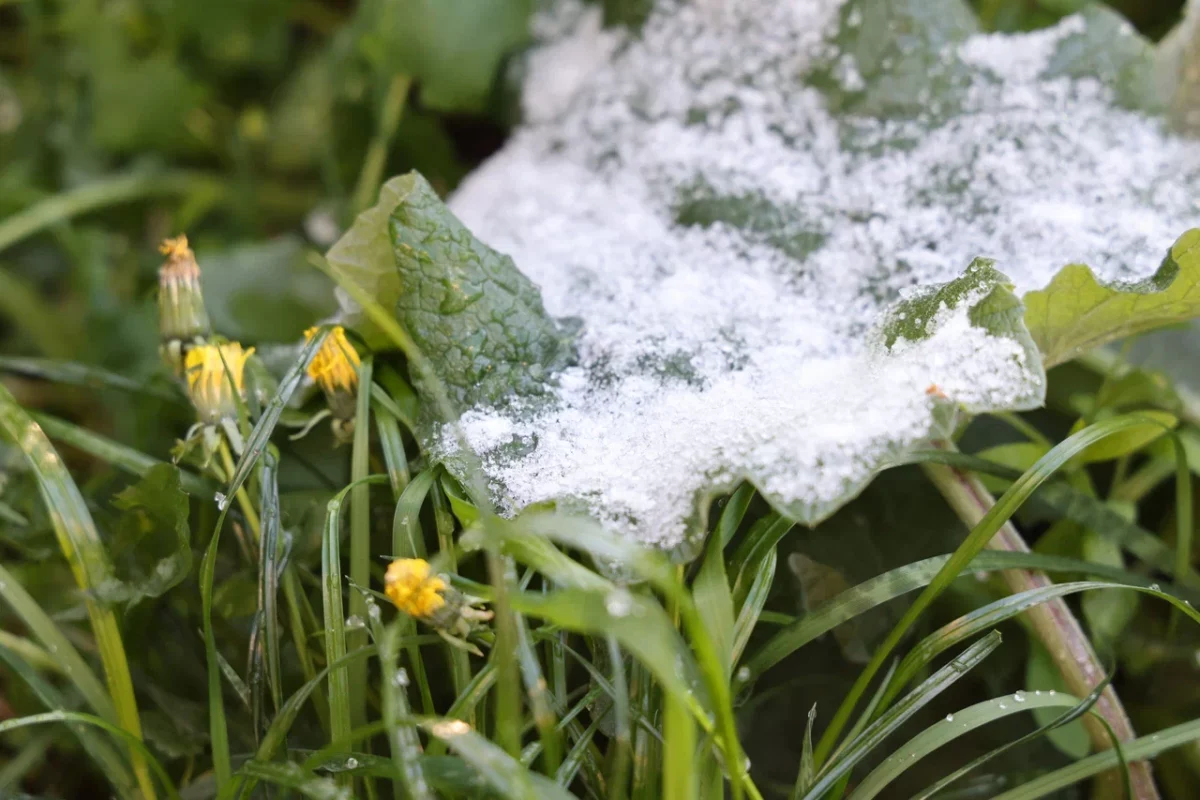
(409, 585)
(335, 366)
(214, 373)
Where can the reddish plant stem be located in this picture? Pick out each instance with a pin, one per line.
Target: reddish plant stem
(1056, 628)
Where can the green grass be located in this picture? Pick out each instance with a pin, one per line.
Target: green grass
(277, 667)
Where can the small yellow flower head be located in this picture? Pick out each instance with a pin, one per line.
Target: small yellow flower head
(335, 370)
(214, 373)
(409, 585)
(182, 318)
(335, 366)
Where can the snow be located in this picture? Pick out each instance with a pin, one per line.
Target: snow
(713, 353)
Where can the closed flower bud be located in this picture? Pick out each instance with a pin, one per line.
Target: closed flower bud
(215, 379)
(182, 318)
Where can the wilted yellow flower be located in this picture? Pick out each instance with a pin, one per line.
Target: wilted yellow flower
(182, 318)
(409, 585)
(214, 373)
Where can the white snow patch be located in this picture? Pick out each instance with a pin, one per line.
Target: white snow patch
(712, 353)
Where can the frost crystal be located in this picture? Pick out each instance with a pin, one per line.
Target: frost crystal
(730, 239)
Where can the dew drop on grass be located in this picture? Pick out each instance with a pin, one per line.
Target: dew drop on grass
(619, 603)
(1154, 587)
(222, 500)
(400, 679)
(949, 718)
(351, 763)
(373, 611)
(1019, 697)
(354, 622)
(743, 674)
(1002, 706)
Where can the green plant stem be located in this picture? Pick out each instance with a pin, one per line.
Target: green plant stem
(369, 177)
(1055, 627)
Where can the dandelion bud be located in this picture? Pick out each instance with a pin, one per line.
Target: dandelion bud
(182, 318)
(214, 374)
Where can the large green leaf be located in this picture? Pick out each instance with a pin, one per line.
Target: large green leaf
(1076, 312)
(468, 307)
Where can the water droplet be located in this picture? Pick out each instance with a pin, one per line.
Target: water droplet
(1052, 692)
(1019, 697)
(619, 602)
(222, 500)
(949, 718)
(1002, 706)
(743, 674)
(354, 622)
(1154, 587)
(1038, 692)
(374, 612)
(400, 679)
(351, 762)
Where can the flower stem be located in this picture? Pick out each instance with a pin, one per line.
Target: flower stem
(1055, 627)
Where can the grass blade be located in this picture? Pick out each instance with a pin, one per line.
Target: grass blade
(134, 743)
(85, 553)
(1004, 508)
(1140, 749)
(503, 772)
(360, 536)
(879, 730)
(124, 458)
(86, 376)
(402, 737)
(270, 553)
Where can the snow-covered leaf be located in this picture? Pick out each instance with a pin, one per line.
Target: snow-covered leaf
(767, 218)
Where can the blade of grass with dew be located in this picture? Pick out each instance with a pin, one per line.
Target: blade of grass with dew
(385, 403)
(568, 770)
(993, 613)
(86, 376)
(946, 732)
(270, 553)
(1075, 712)
(710, 591)
(120, 456)
(126, 738)
(393, 697)
(51, 637)
(89, 562)
(876, 732)
(392, 445)
(622, 741)
(360, 534)
(102, 751)
(408, 541)
(756, 599)
(808, 772)
(1067, 502)
(978, 538)
(293, 776)
(537, 690)
(733, 513)
(762, 537)
(503, 772)
(334, 611)
(679, 751)
(443, 520)
(1141, 749)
